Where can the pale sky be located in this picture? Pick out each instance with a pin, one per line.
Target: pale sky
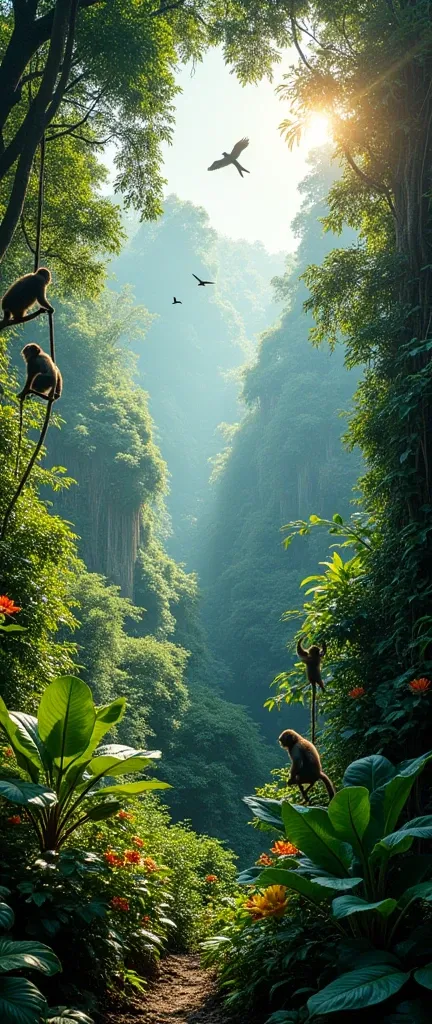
(212, 113)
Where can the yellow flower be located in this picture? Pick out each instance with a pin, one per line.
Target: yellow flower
(271, 903)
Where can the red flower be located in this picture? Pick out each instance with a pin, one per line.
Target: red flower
(211, 879)
(120, 903)
(7, 607)
(358, 691)
(113, 859)
(8, 752)
(138, 842)
(265, 860)
(284, 849)
(145, 919)
(420, 685)
(132, 857)
(150, 864)
(15, 819)
(126, 816)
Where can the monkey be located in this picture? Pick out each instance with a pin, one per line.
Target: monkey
(24, 292)
(42, 377)
(306, 763)
(312, 659)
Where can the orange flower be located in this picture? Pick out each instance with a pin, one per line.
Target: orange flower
(145, 919)
(284, 849)
(15, 819)
(120, 903)
(150, 864)
(113, 859)
(265, 860)
(132, 857)
(420, 685)
(8, 752)
(126, 816)
(211, 879)
(138, 842)
(271, 903)
(7, 607)
(358, 691)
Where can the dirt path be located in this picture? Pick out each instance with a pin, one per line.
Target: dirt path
(183, 994)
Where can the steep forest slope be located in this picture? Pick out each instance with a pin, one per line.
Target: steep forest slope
(283, 462)
(190, 360)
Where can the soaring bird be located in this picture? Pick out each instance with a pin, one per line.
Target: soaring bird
(201, 283)
(231, 158)
(176, 302)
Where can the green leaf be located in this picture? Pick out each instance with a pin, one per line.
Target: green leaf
(349, 813)
(300, 884)
(249, 875)
(310, 829)
(266, 810)
(371, 772)
(27, 793)
(7, 917)
(344, 906)
(66, 718)
(411, 1011)
(21, 740)
(103, 810)
(337, 519)
(118, 766)
(358, 989)
(402, 840)
(133, 788)
(424, 976)
(107, 716)
(396, 792)
(330, 882)
(64, 1015)
(13, 628)
(422, 891)
(20, 1001)
(19, 956)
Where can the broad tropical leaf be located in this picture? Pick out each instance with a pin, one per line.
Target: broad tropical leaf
(269, 811)
(104, 810)
(310, 829)
(63, 1015)
(19, 956)
(396, 792)
(66, 718)
(133, 788)
(424, 976)
(349, 813)
(7, 918)
(371, 772)
(330, 882)
(20, 1001)
(114, 766)
(422, 891)
(20, 739)
(300, 884)
(107, 716)
(27, 793)
(400, 841)
(358, 989)
(344, 906)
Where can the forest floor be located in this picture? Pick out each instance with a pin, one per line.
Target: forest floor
(183, 993)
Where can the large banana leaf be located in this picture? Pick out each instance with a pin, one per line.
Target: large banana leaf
(27, 793)
(358, 989)
(310, 829)
(349, 813)
(66, 718)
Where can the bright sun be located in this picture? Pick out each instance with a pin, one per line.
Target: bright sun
(318, 130)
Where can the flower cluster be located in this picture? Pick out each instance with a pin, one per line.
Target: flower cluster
(120, 903)
(271, 903)
(8, 752)
(113, 859)
(126, 816)
(7, 607)
(149, 864)
(211, 879)
(358, 691)
(282, 848)
(420, 685)
(265, 860)
(138, 842)
(14, 819)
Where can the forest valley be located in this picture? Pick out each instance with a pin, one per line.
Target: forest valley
(173, 475)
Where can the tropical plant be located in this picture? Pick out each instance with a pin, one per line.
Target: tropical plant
(21, 1002)
(66, 768)
(351, 845)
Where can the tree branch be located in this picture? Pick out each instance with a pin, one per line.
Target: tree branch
(26, 237)
(296, 42)
(378, 186)
(21, 319)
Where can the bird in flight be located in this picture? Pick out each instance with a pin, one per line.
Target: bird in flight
(232, 158)
(201, 283)
(176, 302)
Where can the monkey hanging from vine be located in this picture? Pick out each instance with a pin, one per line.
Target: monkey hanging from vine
(311, 658)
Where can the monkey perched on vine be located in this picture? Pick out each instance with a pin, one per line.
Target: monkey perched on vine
(311, 657)
(43, 379)
(306, 763)
(23, 294)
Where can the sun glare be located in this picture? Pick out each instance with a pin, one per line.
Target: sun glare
(318, 130)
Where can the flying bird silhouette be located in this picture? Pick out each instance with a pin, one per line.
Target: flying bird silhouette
(176, 302)
(201, 283)
(231, 158)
